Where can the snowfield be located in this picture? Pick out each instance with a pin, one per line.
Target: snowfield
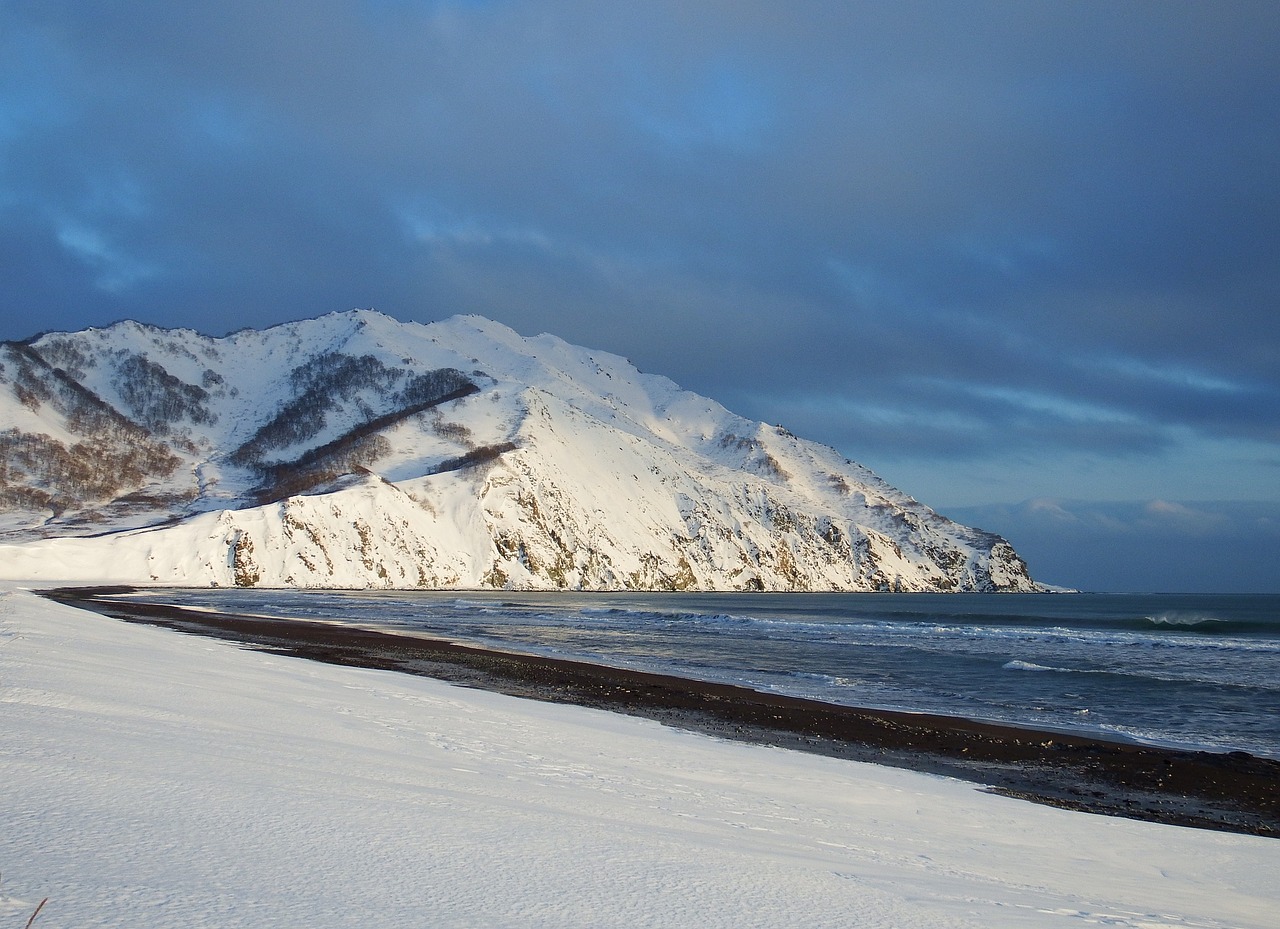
(159, 780)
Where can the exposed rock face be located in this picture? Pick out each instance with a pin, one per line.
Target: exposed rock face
(356, 451)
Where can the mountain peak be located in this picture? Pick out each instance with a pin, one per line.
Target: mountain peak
(355, 450)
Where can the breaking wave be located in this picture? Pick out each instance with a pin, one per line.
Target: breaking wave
(1200, 622)
(1027, 666)
(687, 617)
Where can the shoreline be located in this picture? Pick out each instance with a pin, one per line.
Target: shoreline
(1234, 791)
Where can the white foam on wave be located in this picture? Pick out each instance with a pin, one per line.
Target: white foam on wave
(665, 616)
(1180, 620)
(1027, 666)
(482, 605)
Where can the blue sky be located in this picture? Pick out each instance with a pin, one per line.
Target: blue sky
(1021, 259)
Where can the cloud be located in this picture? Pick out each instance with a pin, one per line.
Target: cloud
(1002, 234)
(1150, 545)
(1164, 515)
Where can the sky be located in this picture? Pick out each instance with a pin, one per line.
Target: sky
(1021, 259)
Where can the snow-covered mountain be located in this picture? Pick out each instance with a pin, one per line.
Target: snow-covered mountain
(357, 451)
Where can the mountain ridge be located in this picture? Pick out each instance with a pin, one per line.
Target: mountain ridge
(355, 450)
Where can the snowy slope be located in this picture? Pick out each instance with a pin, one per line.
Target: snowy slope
(160, 780)
(355, 451)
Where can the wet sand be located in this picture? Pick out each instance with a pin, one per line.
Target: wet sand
(1233, 791)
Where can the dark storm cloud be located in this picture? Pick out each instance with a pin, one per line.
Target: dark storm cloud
(917, 230)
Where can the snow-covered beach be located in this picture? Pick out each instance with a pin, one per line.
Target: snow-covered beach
(163, 780)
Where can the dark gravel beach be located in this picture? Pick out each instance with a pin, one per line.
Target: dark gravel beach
(1234, 791)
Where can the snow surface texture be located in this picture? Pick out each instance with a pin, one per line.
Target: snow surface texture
(153, 779)
(320, 454)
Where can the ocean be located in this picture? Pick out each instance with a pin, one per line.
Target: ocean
(1185, 670)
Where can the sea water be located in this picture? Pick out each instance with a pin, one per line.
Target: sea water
(1192, 670)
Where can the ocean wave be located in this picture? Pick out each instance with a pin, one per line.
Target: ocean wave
(933, 635)
(1028, 666)
(830, 680)
(1200, 622)
(687, 617)
(478, 606)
